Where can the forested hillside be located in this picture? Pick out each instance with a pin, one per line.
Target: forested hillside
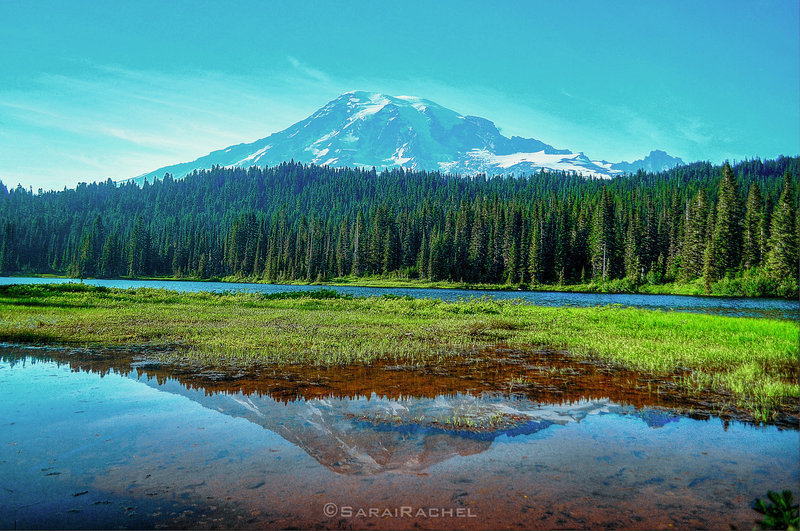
(305, 222)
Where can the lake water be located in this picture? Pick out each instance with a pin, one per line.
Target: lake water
(732, 306)
(92, 439)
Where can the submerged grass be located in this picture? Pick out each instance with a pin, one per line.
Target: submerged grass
(755, 360)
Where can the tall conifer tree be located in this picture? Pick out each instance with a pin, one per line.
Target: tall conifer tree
(752, 230)
(782, 256)
(726, 242)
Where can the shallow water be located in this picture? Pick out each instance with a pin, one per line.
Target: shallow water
(732, 306)
(92, 439)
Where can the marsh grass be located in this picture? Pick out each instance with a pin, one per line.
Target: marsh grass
(755, 360)
(460, 418)
(751, 284)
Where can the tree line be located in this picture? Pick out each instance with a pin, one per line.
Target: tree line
(314, 223)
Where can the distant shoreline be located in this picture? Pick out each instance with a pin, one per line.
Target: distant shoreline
(615, 287)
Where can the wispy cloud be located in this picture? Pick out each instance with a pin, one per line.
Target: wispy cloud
(119, 122)
(695, 131)
(313, 73)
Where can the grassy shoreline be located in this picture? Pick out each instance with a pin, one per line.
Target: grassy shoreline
(755, 360)
(695, 288)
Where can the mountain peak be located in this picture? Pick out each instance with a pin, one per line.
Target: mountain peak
(656, 161)
(366, 129)
(378, 100)
(362, 97)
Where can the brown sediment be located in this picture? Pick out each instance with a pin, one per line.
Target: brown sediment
(547, 376)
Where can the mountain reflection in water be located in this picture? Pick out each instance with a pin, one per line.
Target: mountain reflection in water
(96, 438)
(369, 420)
(370, 435)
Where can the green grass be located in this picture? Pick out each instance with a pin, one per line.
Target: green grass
(746, 286)
(476, 421)
(381, 281)
(741, 287)
(755, 360)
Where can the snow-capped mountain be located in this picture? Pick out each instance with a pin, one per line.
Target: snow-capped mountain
(366, 129)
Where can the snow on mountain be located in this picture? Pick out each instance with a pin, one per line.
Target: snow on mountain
(366, 129)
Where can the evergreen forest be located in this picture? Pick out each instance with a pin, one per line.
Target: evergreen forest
(721, 225)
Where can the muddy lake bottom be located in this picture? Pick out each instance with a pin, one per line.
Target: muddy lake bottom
(493, 439)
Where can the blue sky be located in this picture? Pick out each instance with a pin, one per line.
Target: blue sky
(97, 90)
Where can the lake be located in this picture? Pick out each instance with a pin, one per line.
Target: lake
(102, 439)
(731, 306)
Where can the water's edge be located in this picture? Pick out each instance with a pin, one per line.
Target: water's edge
(730, 306)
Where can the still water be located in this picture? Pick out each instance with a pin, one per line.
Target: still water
(92, 439)
(732, 306)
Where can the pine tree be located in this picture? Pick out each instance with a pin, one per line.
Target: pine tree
(753, 221)
(709, 267)
(260, 252)
(461, 244)
(578, 244)
(342, 249)
(676, 228)
(359, 242)
(391, 254)
(726, 242)
(139, 250)
(110, 259)
(511, 244)
(602, 239)
(478, 248)
(82, 266)
(783, 242)
(408, 245)
(536, 254)
(633, 266)
(437, 263)
(560, 238)
(90, 251)
(312, 250)
(423, 269)
(694, 237)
